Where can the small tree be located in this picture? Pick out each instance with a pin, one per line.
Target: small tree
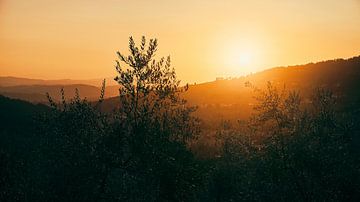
(149, 92)
(158, 123)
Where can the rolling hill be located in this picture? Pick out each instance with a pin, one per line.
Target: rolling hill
(37, 93)
(6, 81)
(231, 99)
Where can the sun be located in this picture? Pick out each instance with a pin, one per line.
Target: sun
(240, 60)
(239, 54)
(243, 59)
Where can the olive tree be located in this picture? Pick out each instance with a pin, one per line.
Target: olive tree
(158, 125)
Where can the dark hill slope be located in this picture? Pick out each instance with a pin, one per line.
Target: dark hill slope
(231, 99)
(18, 115)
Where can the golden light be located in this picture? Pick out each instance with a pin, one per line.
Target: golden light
(240, 59)
(244, 59)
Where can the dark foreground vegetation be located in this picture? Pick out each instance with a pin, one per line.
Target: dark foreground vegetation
(150, 147)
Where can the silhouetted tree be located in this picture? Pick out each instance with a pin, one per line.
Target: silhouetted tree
(158, 124)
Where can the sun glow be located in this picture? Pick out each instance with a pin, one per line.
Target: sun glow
(241, 59)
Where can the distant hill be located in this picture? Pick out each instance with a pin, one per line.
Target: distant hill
(37, 93)
(6, 81)
(34, 90)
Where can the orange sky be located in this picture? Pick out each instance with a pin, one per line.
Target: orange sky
(52, 39)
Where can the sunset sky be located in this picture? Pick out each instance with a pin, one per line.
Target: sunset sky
(78, 39)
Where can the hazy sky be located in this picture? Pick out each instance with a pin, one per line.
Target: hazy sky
(78, 39)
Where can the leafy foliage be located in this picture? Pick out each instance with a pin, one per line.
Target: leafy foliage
(158, 124)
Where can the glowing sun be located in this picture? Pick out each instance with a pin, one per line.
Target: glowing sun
(240, 60)
(240, 55)
(243, 59)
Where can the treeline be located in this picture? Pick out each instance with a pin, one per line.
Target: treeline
(148, 149)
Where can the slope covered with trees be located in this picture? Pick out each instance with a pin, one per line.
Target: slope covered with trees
(231, 99)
